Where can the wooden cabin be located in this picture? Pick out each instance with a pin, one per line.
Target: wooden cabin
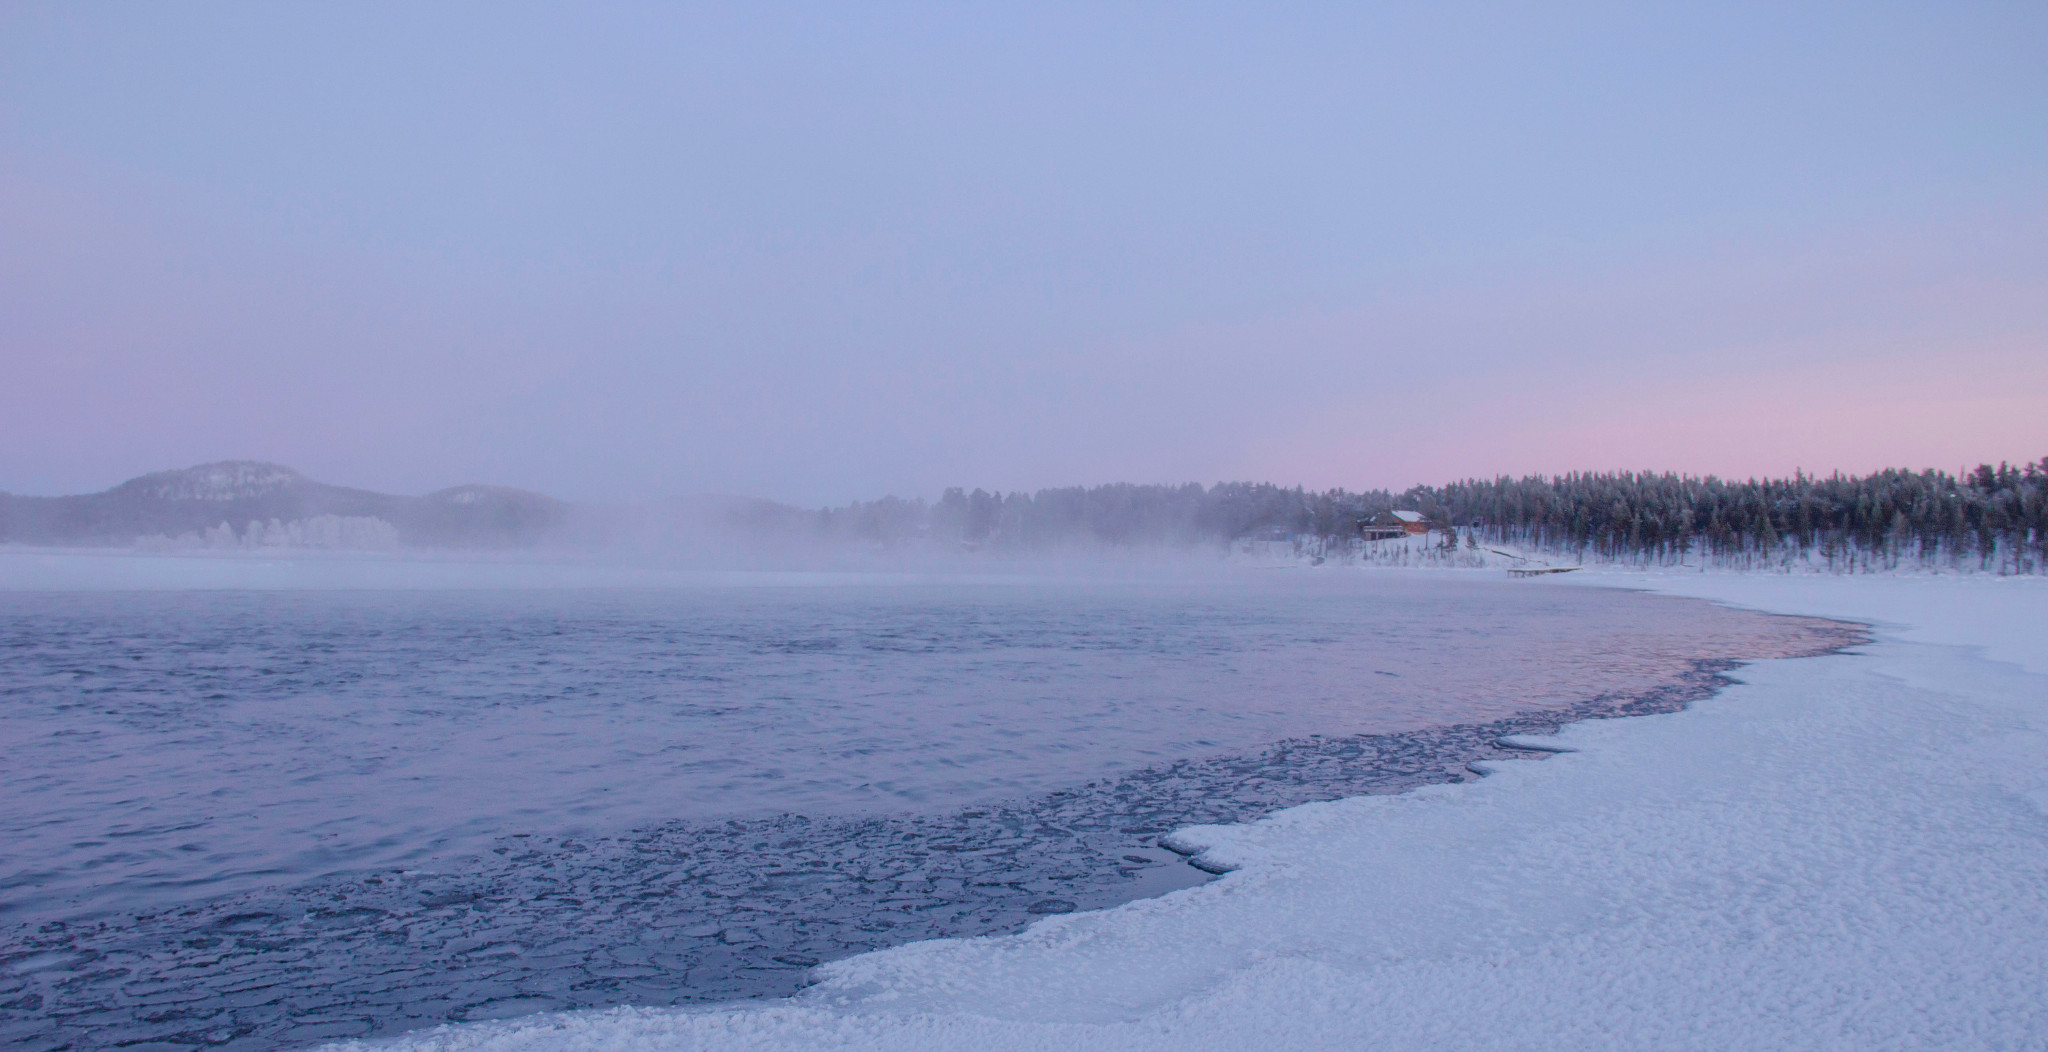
(1393, 524)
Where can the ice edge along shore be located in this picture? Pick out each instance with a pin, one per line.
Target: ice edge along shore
(1848, 851)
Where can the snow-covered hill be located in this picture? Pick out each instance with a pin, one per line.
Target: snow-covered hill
(246, 503)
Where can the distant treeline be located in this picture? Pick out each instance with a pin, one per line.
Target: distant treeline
(1986, 515)
(1120, 515)
(1889, 516)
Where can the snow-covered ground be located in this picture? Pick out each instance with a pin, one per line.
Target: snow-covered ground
(1847, 852)
(1468, 552)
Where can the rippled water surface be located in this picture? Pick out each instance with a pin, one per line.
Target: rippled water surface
(172, 754)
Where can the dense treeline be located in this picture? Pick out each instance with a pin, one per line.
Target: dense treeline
(1997, 517)
(1872, 521)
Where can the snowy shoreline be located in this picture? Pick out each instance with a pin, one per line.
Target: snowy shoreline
(674, 911)
(1841, 851)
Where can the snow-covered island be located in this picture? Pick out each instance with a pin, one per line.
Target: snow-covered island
(1841, 852)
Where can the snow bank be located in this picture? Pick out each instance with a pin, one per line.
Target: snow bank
(1474, 550)
(2001, 616)
(1841, 852)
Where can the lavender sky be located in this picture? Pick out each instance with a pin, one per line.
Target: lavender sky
(824, 253)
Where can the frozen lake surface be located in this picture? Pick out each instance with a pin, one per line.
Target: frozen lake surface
(555, 798)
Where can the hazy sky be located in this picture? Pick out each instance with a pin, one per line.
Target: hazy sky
(821, 253)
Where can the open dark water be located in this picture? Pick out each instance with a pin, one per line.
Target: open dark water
(262, 819)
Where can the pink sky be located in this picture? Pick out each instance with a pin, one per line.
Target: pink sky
(819, 256)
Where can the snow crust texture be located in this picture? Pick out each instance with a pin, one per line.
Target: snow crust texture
(1843, 852)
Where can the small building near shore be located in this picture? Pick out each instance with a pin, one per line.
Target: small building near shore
(1393, 524)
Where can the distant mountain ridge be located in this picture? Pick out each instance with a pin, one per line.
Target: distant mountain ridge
(249, 496)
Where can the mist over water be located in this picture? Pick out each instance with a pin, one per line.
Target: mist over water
(181, 744)
(249, 817)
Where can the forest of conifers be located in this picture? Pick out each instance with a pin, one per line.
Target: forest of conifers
(1987, 515)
